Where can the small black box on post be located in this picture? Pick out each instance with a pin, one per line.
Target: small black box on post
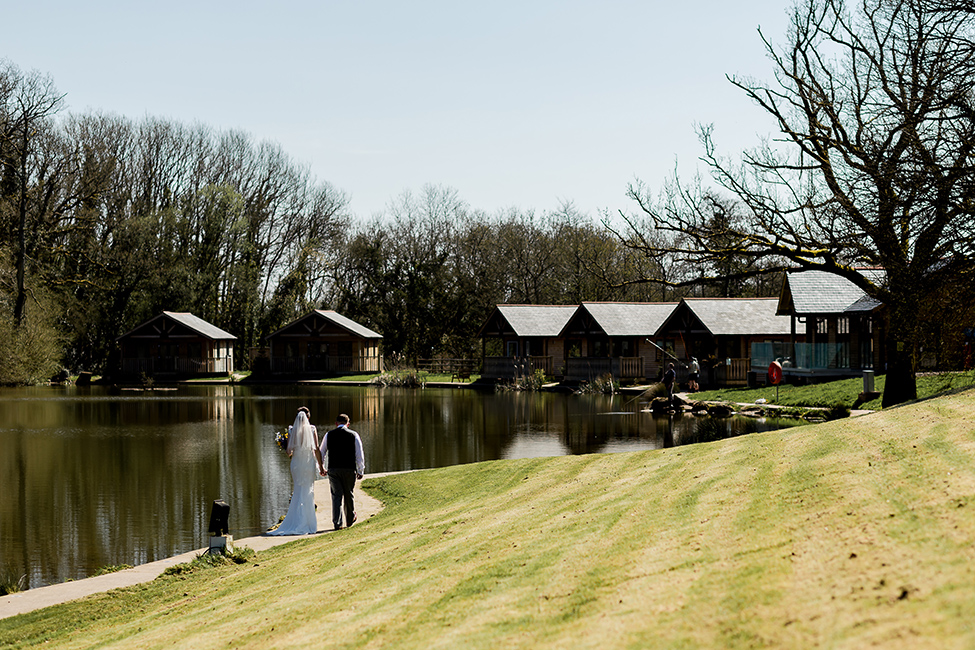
(219, 514)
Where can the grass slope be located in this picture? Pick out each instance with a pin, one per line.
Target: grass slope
(843, 391)
(850, 534)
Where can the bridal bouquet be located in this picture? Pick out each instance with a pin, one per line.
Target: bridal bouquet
(281, 437)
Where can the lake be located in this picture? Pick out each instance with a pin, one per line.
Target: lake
(91, 479)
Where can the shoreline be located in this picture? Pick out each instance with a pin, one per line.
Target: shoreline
(22, 602)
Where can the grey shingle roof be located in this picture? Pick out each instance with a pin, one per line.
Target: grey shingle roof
(537, 320)
(200, 326)
(819, 292)
(629, 318)
(740, 316)
(348, 324)
(332, 317)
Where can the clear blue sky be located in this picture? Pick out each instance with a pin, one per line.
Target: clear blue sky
(514, 104)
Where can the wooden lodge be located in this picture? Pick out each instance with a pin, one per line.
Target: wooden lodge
(835, 328)
(323, 343)
(526, 338)
(722, 334)
(636, 341)
(615, 338)
(176, 344)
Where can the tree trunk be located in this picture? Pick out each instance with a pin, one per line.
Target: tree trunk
(21, 302)
(901, 351)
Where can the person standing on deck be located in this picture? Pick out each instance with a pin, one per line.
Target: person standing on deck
(670, 377)
(692, 380)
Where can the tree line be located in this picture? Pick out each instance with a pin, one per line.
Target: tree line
(107, 221)
(428, 271)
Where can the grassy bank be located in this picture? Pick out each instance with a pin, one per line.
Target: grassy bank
(846, 534)
(845, 391)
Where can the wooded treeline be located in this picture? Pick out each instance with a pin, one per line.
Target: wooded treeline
(428, 272)
(106, 221)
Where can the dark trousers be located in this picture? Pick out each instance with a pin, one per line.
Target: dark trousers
(342, 482)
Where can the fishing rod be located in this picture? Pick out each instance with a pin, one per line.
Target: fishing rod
(662, 350)
(628, 402)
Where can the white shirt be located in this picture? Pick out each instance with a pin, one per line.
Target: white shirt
(360, 459)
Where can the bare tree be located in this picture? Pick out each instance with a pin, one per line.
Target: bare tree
(873, 166)
(27, 104)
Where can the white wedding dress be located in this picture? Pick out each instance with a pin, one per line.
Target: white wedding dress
(301, 518)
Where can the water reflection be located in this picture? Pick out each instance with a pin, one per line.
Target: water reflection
(91, 479)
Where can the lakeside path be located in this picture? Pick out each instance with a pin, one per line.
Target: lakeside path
(27, 601)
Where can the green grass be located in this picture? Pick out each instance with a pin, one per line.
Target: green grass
(847, 534)
(845, 391)
(111, 568)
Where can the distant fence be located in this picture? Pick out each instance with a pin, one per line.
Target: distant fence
(446, 366)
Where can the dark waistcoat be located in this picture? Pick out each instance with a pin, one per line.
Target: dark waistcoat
(341, 449)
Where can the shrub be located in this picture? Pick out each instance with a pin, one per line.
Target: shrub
(401, 379)
(30, 353)
(533, 382)
(604, 384)
(10, 584)
(838, 411)
(207, 560)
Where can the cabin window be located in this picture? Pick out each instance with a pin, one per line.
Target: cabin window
(344, 348)
(573, 348)
(626, 348)
(511, 349)
(843, 326)
(600, 348)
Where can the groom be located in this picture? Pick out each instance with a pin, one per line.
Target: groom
(346, 463)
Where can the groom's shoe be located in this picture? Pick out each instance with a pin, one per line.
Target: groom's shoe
(355, 518)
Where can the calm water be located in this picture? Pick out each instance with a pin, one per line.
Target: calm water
(89, 479)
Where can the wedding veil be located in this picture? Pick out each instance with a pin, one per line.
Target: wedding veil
(301, 434)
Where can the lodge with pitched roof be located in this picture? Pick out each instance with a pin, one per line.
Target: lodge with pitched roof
(629, 341)
(527, 339)
(836, 329)
(176, 344)
(821, 326)
(722, 333)
(615, 338)
(324, 342)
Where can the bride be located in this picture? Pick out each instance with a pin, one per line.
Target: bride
(304, 452)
